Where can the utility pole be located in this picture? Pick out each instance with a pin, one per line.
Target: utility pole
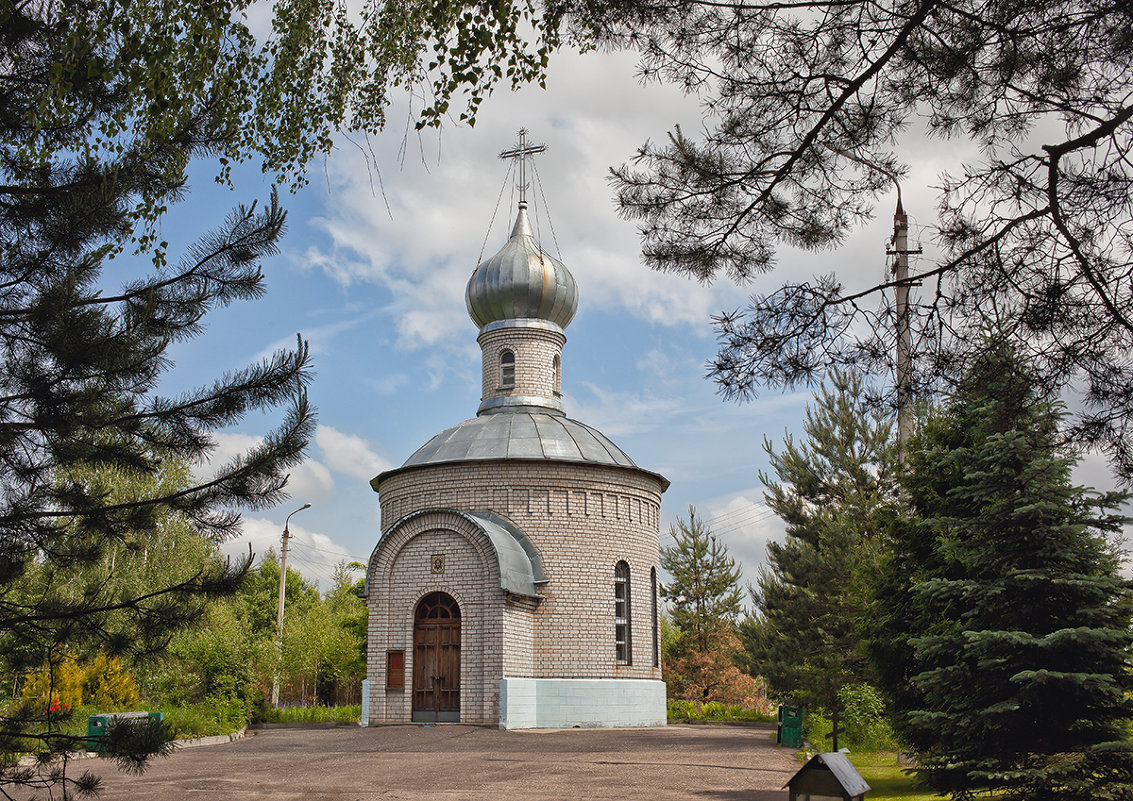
(904, 376)
(279, 617)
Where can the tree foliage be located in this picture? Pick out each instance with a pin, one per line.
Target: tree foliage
(702, 653)
(831, 491)
(91, 454)
(1003, 636)
(805, 107)
(713, 675)
(703, 593)
(153, 68)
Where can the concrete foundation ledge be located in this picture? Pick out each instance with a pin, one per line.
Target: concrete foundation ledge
(188, 742)
(527, 703)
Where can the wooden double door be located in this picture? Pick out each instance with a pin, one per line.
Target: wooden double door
(436, 659)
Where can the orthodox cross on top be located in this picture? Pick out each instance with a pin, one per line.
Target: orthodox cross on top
(522, 152)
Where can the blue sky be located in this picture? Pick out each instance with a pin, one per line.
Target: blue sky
(372, 272)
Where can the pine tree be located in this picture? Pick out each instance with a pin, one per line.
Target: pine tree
(1004, 628)
(812, 596)
(81, 363)
(704, 591)
(702, 662)
(810, 110)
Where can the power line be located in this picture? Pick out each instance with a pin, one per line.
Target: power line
(332, 551)
(735, 512)
(752, 516)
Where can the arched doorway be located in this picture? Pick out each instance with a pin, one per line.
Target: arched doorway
(436, 659)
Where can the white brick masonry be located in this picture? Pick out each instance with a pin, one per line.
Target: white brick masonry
(582, 519)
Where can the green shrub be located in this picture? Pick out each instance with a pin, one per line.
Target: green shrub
(862, 724)
(714, 710)
(737, 712)
(863, 709)
(102, 681)
(209, 717)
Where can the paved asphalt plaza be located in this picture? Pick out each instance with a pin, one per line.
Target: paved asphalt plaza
(468, 763)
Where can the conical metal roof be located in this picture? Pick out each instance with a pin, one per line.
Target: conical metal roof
(522, 282)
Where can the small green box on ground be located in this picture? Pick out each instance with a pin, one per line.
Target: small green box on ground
(98, 725)
(789, 731)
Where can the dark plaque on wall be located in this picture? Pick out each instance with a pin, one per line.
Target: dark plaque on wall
(438, 562)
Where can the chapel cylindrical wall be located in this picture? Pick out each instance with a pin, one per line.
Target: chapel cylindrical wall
(583, 519)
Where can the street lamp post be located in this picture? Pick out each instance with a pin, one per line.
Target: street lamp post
(279, 618)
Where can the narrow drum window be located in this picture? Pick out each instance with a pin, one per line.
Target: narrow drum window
(621, 615)
(395, 670)
(556, 365)
(507, 370)
(656, 644)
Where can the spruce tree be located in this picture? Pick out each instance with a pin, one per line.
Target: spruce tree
(810, 600)
(1004, 633)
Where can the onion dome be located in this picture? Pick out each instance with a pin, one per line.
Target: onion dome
(522, 282)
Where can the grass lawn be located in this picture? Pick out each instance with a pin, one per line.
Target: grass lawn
(888, 781)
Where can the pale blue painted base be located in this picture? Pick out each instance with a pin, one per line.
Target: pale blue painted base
(589, 703)
(365, 702)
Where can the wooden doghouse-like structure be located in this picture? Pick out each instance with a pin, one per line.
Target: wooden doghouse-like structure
(828, 777)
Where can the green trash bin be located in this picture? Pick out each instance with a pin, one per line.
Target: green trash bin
(98, 725)
(789, 731)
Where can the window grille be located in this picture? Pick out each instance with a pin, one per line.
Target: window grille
(622, 639)
(656, 643)
(507, 370)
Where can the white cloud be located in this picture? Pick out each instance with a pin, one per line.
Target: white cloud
(424, 254)
(742, 522)
(621, 414)
(350, 454)
(656, 363)
(319, 337)
(746, 524)
(389, 383)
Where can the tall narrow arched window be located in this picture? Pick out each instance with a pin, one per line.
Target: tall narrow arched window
(622, 634)
(507, 370)
(556, 365)
(656, 639)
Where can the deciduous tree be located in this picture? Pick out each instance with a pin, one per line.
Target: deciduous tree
(278, 90)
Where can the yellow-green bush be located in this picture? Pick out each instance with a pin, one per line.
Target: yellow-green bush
(103, 682)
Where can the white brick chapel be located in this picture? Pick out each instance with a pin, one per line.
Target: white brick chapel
(515, 579)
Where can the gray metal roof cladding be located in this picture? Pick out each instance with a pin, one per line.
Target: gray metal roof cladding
(522, 281)
(520, 435)
(521, 566)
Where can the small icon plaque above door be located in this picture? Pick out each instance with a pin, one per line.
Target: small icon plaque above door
(437, 561)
